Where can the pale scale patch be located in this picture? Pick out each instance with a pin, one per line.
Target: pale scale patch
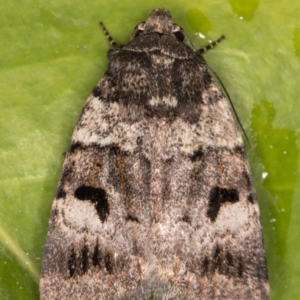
(97, 123)
(189, 138)
(168, 101)
(80, 215)
(126, 135)
(159, 59)
(101, 126)
(154, 101)
(232, 216)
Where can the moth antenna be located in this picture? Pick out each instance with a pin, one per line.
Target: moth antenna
(211, 45)
(107, 35)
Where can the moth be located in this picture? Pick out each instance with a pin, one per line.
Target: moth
(156, 199)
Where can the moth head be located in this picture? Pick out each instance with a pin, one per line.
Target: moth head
(159, 21)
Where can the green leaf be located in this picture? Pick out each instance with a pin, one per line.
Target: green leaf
(53, 53)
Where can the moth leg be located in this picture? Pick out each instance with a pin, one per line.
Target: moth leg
(107, 35)
(211, 45)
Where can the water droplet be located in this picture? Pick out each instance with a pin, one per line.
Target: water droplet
(244, 9)
(198, 21)
(297, 41)
(272, 143)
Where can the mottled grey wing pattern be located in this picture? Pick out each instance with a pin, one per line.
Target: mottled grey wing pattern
(156, 193)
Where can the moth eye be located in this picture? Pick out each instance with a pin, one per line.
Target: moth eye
(179, 35)
(178, 32)
(138, 32)
(139, 29)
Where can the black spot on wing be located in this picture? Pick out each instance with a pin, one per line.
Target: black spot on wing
(97, 92)
(222, 261)
(248, 182)
(229, 259)
(80, 146)
(78, 263)
(60, 193)
(216, 262)
(74, 146)
(239, 150)
(186, 218)
(132, 219)
(240, 269)
(84, 259)
(205, 267)
(66, 174)
(96, 196)
(96, 258)
(251, 198)
(197, 156)
(219, 196)
(102, 260)
(72, 263)
(108, 262)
